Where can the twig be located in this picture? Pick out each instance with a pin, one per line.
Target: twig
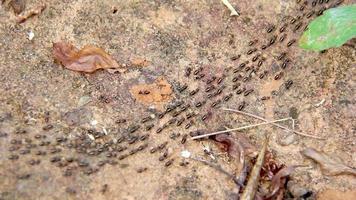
(280, 126)
(220, 169)
(231, 8)
(252, 183)
(237, 129)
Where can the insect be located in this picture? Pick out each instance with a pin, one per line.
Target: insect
(205, 116)
(314, 3)
(199, 76)
(121, 157)
(291, 42)
(242, 65)
(188, 125)
(159, 130)
(13, 157)
(264, 98)
(182, 88)
(283, 28)
(142, 169)
(209, 88)
(252, 42)
(235, 79)
(241, 106)
(254, 59)
(281, 39)
(247, 92)
(214, 104)
(293, 20)
(249, 52)
(198, 104)
(134, 128)
(160, 115)
(184, 139)
(309, 14)
(234, 87)
(220, 80)
(281, 56)
(301, 8)
(285, 63)
(233, 58)
(239, 91)
(270, 28)
(298, 26)
(288, 84)
(168, 163)
(278, 76)
(263, 47)
(193, 92)
(198, 70)
(188, 71)
(272, 40)
(149, 127)
(227, 97)
(190, 115)
(320, 12)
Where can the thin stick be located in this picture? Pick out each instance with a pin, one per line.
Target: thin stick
(230, 7)
(237, 129)
(252, 183)
(280, 126)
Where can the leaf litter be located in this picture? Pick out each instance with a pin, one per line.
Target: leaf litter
(88, 59)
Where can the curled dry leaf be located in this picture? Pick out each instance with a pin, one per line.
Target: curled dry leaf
(158, 93)
(36, 11)
(329, 165)
(88, 59)
(279, 179)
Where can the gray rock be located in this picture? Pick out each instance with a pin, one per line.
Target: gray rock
(288, 139)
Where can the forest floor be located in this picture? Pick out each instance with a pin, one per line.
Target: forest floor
(45, 107)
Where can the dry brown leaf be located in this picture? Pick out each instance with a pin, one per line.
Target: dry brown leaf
(88, 59)
(329, 165)
(158, 93)
(278, 180)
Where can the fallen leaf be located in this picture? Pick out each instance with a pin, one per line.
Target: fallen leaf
(88, 59)
(279, 179)
(335, 27)
(329, 165)
(158, 93)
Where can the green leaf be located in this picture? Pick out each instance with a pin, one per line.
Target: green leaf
(335, 27)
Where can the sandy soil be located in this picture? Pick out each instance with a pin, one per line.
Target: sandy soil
(49, 115)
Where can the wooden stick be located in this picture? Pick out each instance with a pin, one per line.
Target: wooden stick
(252, 183)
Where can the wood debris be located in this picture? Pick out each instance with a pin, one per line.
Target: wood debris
(231, 8)
(252, 184)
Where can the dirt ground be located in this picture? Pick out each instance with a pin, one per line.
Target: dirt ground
(53, 118)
